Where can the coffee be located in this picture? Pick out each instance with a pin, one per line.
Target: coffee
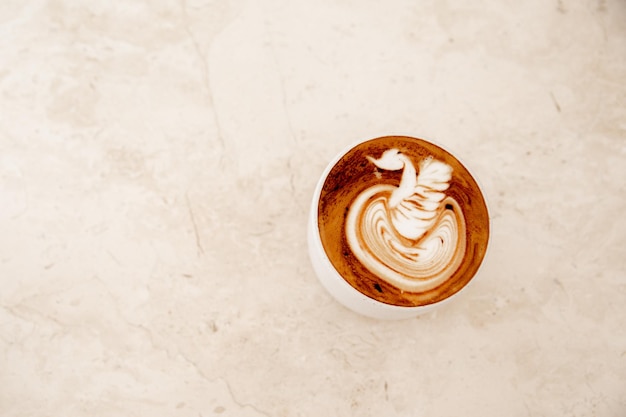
(402, 221)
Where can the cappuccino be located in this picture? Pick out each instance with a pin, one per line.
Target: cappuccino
(401, 221)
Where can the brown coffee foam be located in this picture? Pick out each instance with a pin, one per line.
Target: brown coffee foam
(353, 173)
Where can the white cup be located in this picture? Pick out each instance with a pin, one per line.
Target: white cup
(336, 285)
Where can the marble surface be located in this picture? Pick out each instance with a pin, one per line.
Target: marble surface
(157, 161)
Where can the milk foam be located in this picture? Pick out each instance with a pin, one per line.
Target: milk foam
(413, 235)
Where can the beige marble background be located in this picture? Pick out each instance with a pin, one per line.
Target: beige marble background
(157, 160)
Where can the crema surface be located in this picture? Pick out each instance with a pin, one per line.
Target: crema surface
(403, 221)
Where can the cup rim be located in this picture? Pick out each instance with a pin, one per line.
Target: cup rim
(314, 229)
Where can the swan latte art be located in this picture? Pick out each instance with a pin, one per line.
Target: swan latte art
(402, 221)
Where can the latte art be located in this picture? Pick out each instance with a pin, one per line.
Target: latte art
(397, 222)
(411, 236)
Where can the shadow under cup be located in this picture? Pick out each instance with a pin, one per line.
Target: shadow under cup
(397, 226)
